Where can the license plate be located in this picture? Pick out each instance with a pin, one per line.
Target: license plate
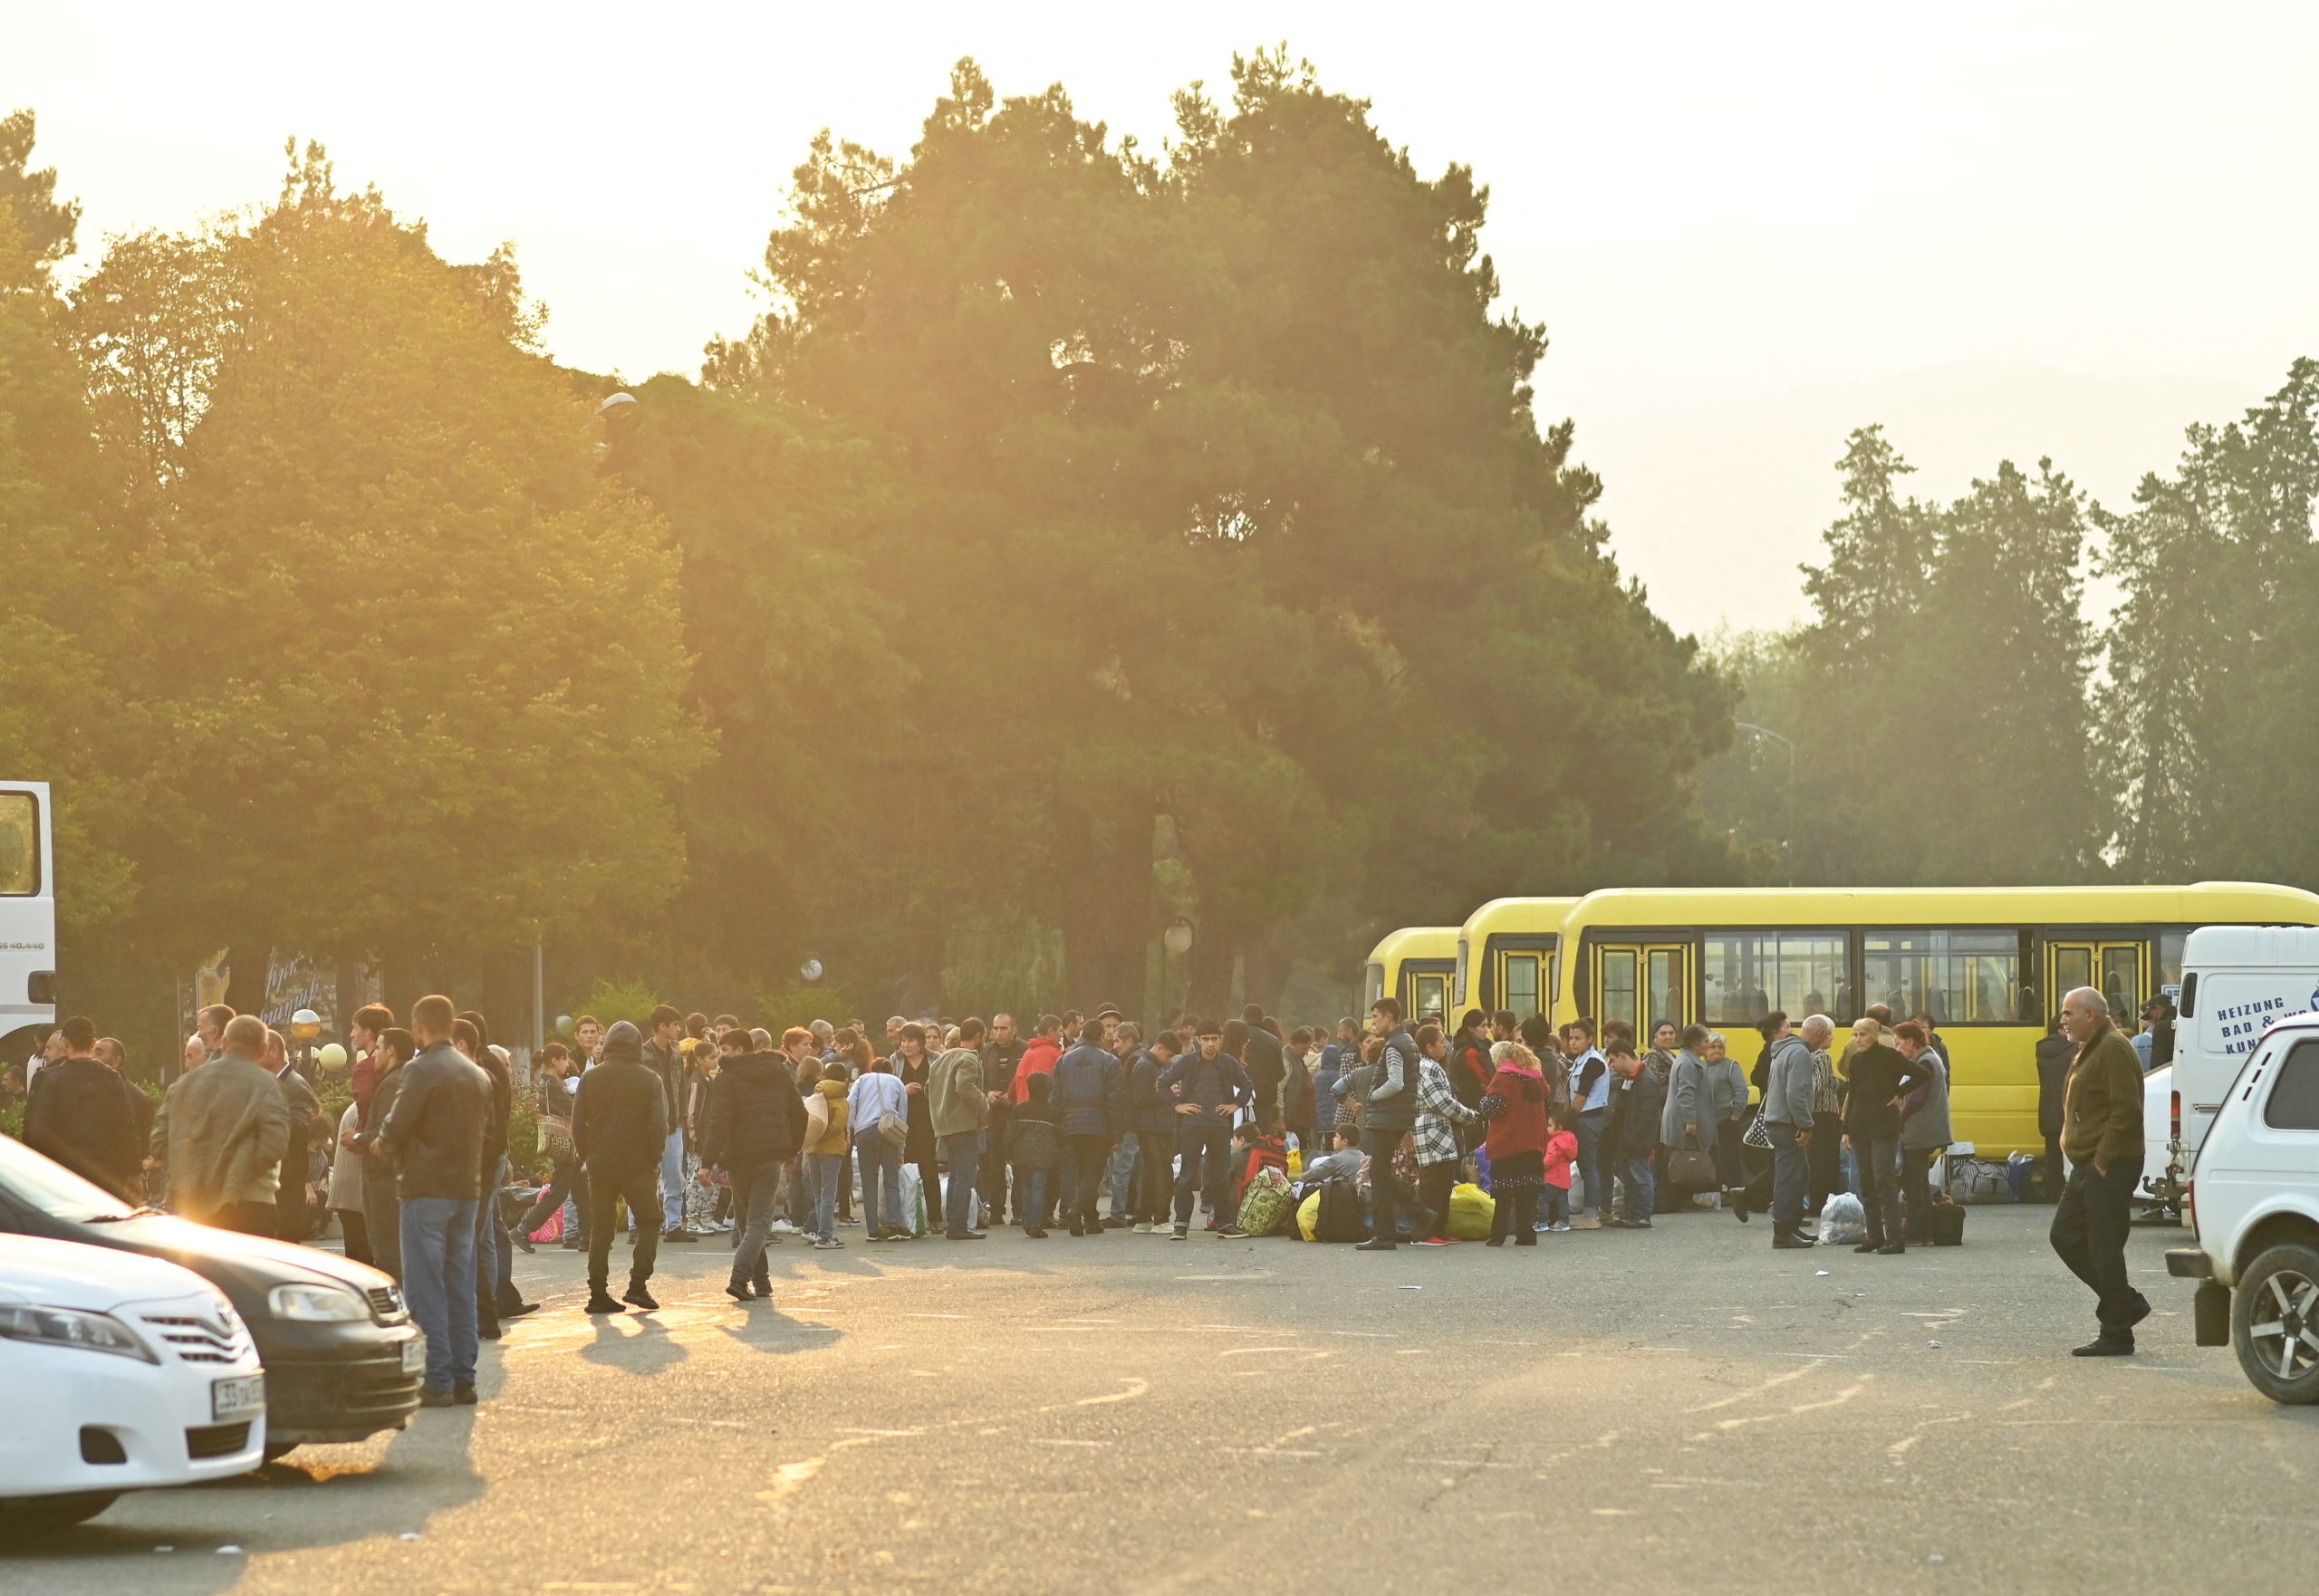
(414, 1355)
(243, 1394)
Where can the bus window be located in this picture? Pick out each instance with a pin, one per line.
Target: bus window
(2112, 968)
(1519, 985)
(1959, 977)
(1749, 974)
(1614, 985)
(19, 845)
(1429, 996)
(1666, 986)
(2122, 980)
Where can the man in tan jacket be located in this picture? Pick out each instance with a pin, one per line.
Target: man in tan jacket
(2101, 1135)
(222, 1130)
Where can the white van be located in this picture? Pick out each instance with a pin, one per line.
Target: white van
(2237, 981)
(2254, 1209)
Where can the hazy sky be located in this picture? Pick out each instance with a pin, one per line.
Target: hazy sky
(2003, 229)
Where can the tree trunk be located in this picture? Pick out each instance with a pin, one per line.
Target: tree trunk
(1214, 956)
(1105, 871)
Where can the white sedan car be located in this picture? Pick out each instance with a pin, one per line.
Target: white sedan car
(123, 1373)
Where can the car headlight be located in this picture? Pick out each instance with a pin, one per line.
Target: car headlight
(72, 1327)
(317, 1305)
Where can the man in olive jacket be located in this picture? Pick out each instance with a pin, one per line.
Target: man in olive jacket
(959, 1107)
(2102, 1134)
(222, 1130)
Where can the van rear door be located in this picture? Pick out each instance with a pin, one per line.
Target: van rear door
(2238, 982)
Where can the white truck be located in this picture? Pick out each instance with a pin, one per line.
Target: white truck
(2254, 1211)
(27, 918)
(2237, 981)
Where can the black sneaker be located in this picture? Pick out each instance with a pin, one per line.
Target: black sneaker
(434, 1397)
(464, 1396)
(1232, 1232)
(1179, 1232)
(2105, 1346)
(638, 1297)
(601, 1302)
(1379, 1244)
(669, 1235)
(523, 1241)
(739, 1294)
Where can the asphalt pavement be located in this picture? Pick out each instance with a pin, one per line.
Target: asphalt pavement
(1679, 1410)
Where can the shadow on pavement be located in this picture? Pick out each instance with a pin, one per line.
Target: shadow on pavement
(171, 1539)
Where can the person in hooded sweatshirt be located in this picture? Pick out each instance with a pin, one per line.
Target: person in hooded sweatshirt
(619, 1127)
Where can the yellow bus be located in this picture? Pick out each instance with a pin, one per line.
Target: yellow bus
(1416, 965)
(1989, 964)
(1509, 953)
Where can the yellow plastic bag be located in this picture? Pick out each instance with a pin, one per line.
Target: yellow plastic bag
(1308, 1217)
(1296, 1162)
(1471, 1212)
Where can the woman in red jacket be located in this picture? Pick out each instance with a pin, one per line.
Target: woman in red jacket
(1514, 1104)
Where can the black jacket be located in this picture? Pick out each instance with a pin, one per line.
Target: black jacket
(1147, 1113)
(755, 1114)
(619, 1120)
(503, 1103)
(1208, 1083)
(1088, 1090)
(81, 1115)
(1031, 1140)
(434, 1131)
(1631, 1129)
(2054, 1055)
(1262, 1057)
(1878, 1074)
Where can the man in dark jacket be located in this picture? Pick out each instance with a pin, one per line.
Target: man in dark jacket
(756, 1122)
(2102, 1132)
(434, 1134)
(1260, 1052)
(620, 1126)
(1206, 1088)
(1388, 1113)
(1089, 1096)
(306, 1123)
(81, 1114)
(2054, 1051)
(1152, 1119)
(1002, 1054)
(1638, 1103)
(663, 1055)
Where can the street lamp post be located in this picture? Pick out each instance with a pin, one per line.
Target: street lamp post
(1787, 846)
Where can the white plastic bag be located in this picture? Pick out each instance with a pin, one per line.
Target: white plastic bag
(1842, 1220)
(913, 1200)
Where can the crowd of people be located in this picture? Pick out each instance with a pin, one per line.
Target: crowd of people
(686, 1126)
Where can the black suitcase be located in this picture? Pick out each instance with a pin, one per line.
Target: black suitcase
(1947, 1225)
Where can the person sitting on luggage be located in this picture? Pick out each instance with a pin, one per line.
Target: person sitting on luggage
(1341, 1162)
(1033, 1140)
(1253, 1149)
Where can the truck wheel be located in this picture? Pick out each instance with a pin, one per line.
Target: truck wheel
(2274, 1323)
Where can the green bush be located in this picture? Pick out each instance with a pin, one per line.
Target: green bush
(798, 1003)
(613, 1001)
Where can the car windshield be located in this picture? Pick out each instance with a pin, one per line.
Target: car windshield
(49, 1187)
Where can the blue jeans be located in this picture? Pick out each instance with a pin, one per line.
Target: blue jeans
(961, 1153)
(881, 1171)
(1205, 1145)
(1791, 1167)
(439, 1278)
(1589, 1162)
(823, 1170)
(673, 1180)
(1122, 1174)
(495, 1258)
(1031, 1196)
(1642, 1189)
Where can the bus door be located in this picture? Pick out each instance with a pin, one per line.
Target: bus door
(1428, 994)
(1643, 983)
(2116, 969)
(1523, 979)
